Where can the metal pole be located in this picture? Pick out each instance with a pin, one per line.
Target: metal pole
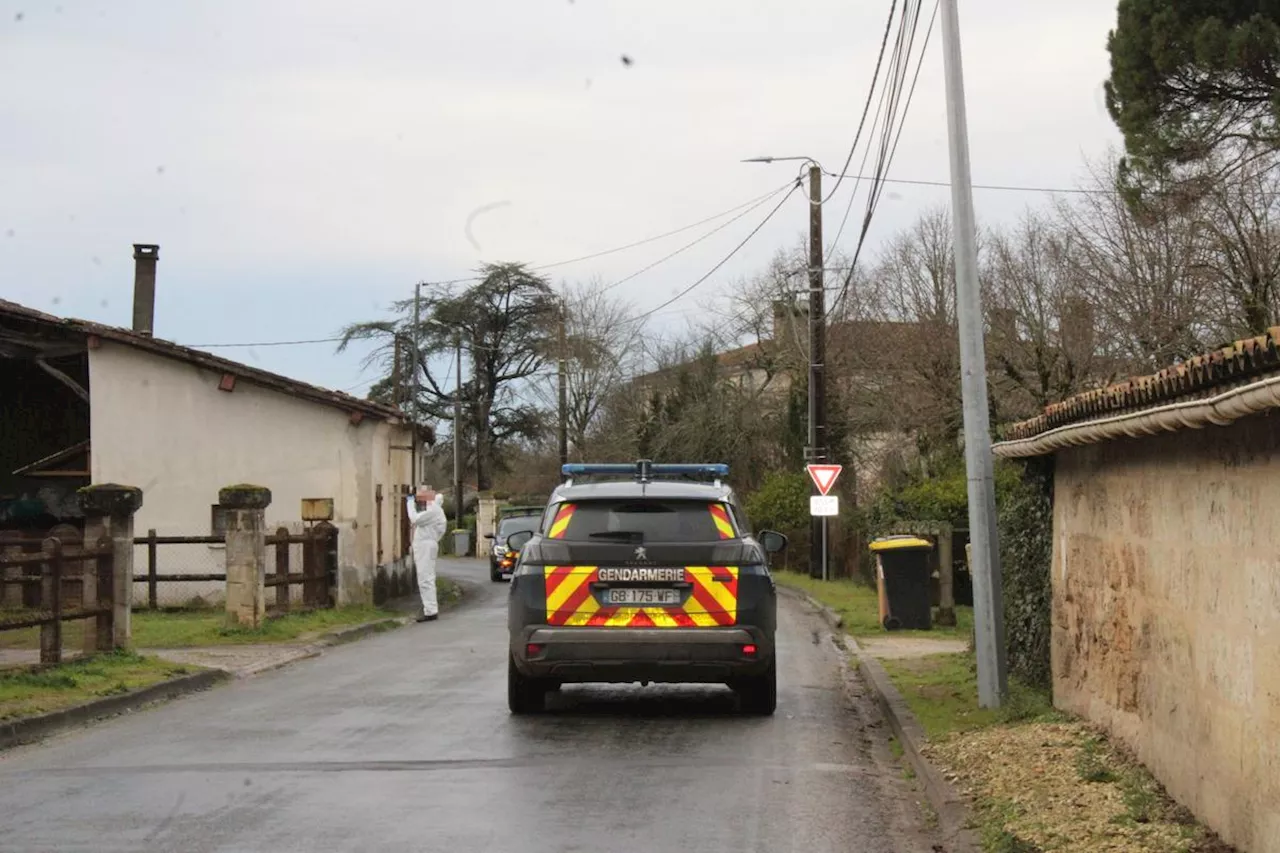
(817, 373)
(416, 477)
(988, 604)
(562, 390)
(457, 431)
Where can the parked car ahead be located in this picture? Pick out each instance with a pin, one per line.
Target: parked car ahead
(502, 559)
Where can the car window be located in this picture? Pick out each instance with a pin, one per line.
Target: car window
(650, 521)
(517, 524)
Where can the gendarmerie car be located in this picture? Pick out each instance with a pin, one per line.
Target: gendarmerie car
(643, 573)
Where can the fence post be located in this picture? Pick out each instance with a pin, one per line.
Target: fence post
(89, 593)
(105, 634)
(282, 569)
(153, 583)
(51, 599)
(11, 544)
(946, 577)
(246, 552)
(109, 509)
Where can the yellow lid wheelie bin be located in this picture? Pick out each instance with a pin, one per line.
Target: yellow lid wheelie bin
(902, 580)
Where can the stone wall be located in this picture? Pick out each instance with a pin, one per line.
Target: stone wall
(1166, 610)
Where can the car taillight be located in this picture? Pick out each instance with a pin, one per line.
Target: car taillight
(533, 649)
(749, 649)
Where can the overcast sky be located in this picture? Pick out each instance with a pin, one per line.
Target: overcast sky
(303, 162)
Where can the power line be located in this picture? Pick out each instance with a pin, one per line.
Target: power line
(265, 343)
(1000, 187)
(687, 246)
(746, 204)
(722, 261)
(866, 108)
(887, 148)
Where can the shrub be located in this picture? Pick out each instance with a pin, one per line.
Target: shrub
(1026, 553)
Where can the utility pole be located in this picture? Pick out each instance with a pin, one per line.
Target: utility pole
(988, 598)
(457, 431)
(416, 477)
(562, 389)
(817, 367)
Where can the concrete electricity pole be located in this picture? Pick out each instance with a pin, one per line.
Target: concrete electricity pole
(988, 598)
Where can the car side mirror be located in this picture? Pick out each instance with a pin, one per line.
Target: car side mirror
(488, 536)
(772, 541)
(517, 540)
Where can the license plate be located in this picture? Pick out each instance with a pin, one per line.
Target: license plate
(641, 596)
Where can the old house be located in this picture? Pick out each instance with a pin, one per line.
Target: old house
(84, 403)
(1166, 579)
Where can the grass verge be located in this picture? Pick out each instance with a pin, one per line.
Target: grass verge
(859, 607)
(1039, 780)
(179, 629)
(187, 629)
(942, 692)
(26, 693)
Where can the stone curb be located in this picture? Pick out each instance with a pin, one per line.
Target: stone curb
(951, 808)
(359, 632)
(835, 620)
(34, 728)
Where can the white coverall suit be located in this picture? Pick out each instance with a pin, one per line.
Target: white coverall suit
(428, 528)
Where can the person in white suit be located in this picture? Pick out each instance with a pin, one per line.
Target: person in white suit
(426, 515)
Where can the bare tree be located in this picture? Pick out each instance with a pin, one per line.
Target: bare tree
(1143, 270)
(602, 341)
(1042, 341)
(1242, 225)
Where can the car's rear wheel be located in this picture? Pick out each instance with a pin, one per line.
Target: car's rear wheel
(524, 695)
(758, 695)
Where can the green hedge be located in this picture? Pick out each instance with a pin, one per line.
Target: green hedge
(1026, 554)
(1025, 521)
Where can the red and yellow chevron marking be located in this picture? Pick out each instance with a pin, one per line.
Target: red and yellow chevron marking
(721, 517)
(713, 601)
(561, 522)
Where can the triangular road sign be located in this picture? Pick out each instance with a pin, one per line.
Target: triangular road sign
(824, 476)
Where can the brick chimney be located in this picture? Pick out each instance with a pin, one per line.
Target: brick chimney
(145, 256)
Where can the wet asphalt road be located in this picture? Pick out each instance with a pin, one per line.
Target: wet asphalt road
(403, 742)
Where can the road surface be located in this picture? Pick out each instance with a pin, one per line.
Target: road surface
(403, 742)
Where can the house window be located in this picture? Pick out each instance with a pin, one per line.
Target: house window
(218, 520)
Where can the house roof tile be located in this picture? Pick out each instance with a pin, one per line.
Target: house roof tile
(200, 358)
(1202, 375)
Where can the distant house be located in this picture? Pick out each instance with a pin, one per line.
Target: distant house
(84, 403)
(872, 355)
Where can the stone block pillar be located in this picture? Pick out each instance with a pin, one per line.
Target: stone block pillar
(108, 510)
(245, 507)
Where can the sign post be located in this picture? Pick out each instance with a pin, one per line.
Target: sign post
(824, 505)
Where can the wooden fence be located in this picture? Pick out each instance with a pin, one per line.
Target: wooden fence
(49, 571)
(317, 575)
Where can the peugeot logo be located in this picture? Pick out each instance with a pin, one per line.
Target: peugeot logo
(642, 554)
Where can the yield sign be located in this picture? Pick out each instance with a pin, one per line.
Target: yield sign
(824, 476)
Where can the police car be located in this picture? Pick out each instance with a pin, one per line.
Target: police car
(643, 573)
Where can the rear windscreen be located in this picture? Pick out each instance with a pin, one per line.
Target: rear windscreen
(518, 524)
(643, 521)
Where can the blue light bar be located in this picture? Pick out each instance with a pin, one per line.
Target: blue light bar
(644, 468)
(582, 469)
(715, 469)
